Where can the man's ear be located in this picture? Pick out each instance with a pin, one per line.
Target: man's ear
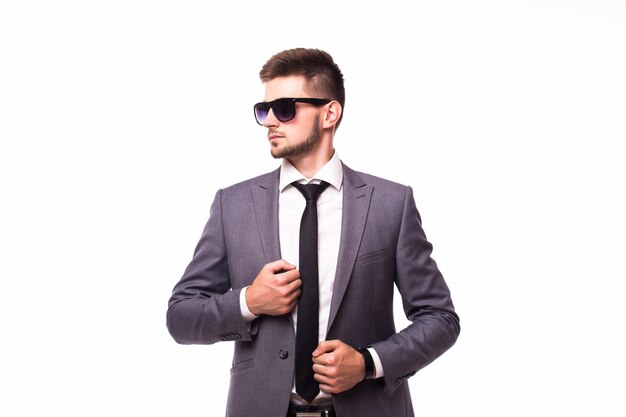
(332, 114)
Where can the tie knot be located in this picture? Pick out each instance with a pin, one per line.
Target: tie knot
(311, 191)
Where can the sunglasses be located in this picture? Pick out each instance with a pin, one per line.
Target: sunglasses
(284, 108)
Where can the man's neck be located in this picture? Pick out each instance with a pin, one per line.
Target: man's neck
(309, 165)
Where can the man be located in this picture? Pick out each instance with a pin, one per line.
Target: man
(244, 284)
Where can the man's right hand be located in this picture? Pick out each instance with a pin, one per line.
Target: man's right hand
(275, 289)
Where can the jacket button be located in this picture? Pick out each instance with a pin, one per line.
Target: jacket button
(283, 354)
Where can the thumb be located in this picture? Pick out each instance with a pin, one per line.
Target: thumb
(280, 265)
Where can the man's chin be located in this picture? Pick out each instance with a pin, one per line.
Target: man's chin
(280, 153)
(276, 153)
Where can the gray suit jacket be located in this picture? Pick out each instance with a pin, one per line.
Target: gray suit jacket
(382, 244)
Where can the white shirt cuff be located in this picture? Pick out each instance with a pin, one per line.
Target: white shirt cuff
(379, 372)
(243, 306)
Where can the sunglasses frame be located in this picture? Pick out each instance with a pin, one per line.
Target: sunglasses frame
(269, 105)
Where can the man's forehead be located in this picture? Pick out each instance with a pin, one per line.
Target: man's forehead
(291, 86)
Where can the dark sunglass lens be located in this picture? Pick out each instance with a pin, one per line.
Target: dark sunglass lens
(284, 109)
(260, 112)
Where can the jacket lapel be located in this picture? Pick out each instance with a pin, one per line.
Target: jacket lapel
(265, 197)
(356, 202)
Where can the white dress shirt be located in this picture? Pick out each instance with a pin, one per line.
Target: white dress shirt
(329, 209)
(291, 205)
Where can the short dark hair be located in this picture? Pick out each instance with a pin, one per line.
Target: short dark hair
(323, 77)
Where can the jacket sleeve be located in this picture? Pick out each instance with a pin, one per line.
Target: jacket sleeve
(426, 301)
(203, 309)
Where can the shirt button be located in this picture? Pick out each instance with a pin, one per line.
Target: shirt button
(283, 354)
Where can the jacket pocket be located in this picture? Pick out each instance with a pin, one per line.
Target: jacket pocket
(239, 366)
(372, 257)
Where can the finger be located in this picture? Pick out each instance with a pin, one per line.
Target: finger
(328, 386)
(319, 360)
(280, 265)
(328, 389)
(289, 276)
(323, 379)
(294, 285)
(292, 299)
(326, 346)
(321, 370)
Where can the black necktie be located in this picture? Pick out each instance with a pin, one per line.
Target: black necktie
(308, 304)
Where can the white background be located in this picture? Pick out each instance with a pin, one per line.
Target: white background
(119, 120)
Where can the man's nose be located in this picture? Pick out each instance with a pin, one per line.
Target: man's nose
(270, 119)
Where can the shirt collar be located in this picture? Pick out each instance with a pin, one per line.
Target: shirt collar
(331, 172)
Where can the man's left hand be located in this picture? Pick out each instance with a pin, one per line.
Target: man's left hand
(337, 366)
